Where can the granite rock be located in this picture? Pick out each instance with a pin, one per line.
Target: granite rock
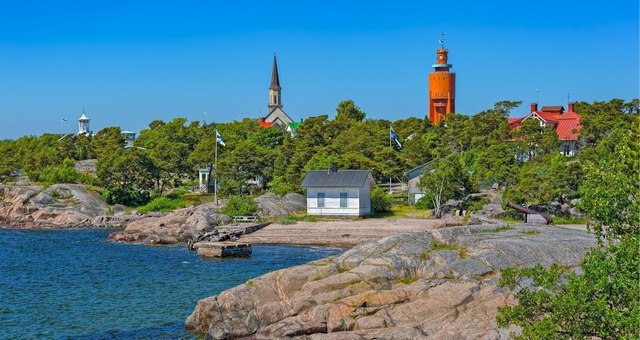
(183, 225)
(26, 205)
(401, 287)
(271, 204)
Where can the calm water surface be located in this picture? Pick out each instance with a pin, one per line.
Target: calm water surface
(74, 284)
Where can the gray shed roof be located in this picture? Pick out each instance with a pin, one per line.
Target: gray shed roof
(340, 178)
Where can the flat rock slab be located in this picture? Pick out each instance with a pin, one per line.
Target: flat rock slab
(223, 249)
(435, 284)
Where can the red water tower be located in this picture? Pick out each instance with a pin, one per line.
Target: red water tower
(442, 88)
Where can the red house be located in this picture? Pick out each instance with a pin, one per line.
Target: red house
(566, 124)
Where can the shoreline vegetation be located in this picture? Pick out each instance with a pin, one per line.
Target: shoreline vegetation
(403, 258)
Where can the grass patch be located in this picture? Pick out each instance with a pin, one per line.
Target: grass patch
(403, 210)
(435, 246)
(569, 220)
(164, 204)
(512, 219)
(423, 256)
(498, 229)
(407, 280)
(532, 232)
(342, 270)
(475, 204)
(410, 211)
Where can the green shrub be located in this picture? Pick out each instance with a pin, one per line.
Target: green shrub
(66, 173)
(164, 204)
(424, 203)
(603, 302)
(279, 187)
(380, 201)
(178, 193)
(475, 204)
(130, 198)
(63, 173)
(240, 206)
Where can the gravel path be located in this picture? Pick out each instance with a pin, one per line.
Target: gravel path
(341, 233)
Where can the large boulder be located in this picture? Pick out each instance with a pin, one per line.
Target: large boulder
(271, 204)
(182, 225)
(436, 284)
(24, 204)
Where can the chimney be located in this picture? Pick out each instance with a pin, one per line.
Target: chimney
(261, 120)
(534, 107)
(570, 107)
(334, 167)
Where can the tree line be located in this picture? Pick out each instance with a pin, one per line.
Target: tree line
(466, 153)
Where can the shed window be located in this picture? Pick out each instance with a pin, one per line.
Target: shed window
(343, 200)
(320, 198)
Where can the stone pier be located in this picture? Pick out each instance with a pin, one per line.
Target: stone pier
(223, 249)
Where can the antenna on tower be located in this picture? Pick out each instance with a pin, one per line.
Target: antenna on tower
(568, 99)
(537, 95)
(441, 40)
(82, 109)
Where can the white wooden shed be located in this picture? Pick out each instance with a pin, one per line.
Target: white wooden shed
(338, 192)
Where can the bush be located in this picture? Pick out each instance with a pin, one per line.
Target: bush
(279, 187)
(240, 206)
(164, 204)
(130, 198)
(380, 201)
(178, 193)
(424, 203)
(66, 173)
(603, 302)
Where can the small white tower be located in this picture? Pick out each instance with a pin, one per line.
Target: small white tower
(83, 125)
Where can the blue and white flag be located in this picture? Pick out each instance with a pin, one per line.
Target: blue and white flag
(393, 136)
(219, 138)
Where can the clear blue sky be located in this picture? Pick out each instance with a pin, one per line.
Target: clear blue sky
(132, 62)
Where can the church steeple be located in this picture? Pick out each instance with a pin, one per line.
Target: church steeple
(275, 99)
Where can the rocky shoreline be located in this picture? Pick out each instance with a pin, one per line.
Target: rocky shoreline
(25, 205)
(440, 283)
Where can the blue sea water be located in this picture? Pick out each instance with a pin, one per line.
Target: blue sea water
(74, 284)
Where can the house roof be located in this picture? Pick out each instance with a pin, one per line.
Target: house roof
(417, 171)
(567, 124)
(266, 124)
(340, 178)
(278, 113)
(294, 125)
(546, 116)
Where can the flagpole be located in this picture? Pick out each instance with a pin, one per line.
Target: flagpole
(215, 176)
(389, 147)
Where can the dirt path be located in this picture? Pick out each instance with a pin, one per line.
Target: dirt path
(340, 233)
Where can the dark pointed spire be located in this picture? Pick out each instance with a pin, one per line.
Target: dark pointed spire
(275, 80)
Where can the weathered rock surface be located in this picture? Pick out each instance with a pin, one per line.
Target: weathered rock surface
(88, 166)
(400, 287)
(271, 204)
(490, 212)
(24, 204)
(182, 225)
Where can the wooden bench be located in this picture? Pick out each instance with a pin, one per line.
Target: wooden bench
(244, 219)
